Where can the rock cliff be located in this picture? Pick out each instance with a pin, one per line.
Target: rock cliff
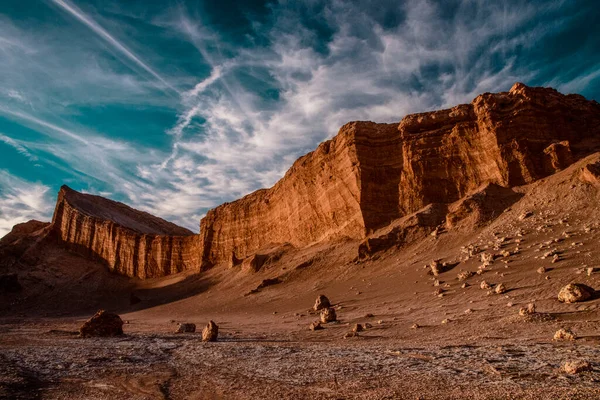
(361, 181)
(372, 174)
(130, 242)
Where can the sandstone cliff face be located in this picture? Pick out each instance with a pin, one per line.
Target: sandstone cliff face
(371, 174)
(360, 182)
(130, 242)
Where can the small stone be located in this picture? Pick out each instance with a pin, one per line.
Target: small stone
(328, 315)
(525, 214)
(210, 332)
(463, 276)
(575, 292)
(575, 367)
(484, 285)
(367, 325)
(438, 291)
(541, 270)
(415, 326)
(315, 326)
(529, 310)
(369, 315)
(500, 288)
(465, 285)
(445, 321)
(357, 328)
(590, 271)
(185, 328)
(468, 311)
(564, 334)
(350, 335)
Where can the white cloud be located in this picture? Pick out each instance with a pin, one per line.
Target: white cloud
(21, 201)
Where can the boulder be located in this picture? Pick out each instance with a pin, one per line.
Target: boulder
(102, 324)
(210, 332)
(328, 315)
(321, 303)
(575, 292)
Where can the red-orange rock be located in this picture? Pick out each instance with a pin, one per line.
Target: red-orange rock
(130, 242)
(365, 183)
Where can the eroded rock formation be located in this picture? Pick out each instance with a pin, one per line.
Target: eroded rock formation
(370, 179)
(130, 242)
(372, 174)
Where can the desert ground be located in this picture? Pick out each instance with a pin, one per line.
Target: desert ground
(425, 336)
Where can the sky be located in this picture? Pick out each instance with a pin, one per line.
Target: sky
(176, 107)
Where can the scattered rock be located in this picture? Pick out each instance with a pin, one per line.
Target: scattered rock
(487, 258)
(328, 315)
(210, 332)
(529, 310)
(564, 334)
(186, 328)
(463, 276)
(500, 288)
(315, 326)
(575, 292)
(357, 328)
(575, 367)
(525, 214)
(102, 324)
(321, 303)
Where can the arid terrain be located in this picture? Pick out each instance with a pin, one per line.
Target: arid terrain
(454, 275)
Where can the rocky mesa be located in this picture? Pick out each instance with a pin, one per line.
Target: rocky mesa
(130, 242)
(368, 177)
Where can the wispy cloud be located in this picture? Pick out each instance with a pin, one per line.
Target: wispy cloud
(21, 201)
(104, 34)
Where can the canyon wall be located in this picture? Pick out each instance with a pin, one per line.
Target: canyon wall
(371, 174)
(130, 242)
(363, 179)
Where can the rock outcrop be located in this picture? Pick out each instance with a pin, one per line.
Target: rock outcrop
(384, 184)
(130, 242)
(372, 174)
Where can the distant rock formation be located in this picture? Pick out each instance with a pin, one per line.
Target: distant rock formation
(370, 177)
(131, 242)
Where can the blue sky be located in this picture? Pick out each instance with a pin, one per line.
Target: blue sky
(176, 107)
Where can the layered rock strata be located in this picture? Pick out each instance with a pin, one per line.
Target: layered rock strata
(131, 242)
(361, 181)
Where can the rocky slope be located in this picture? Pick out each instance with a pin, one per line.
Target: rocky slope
(385, 184)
